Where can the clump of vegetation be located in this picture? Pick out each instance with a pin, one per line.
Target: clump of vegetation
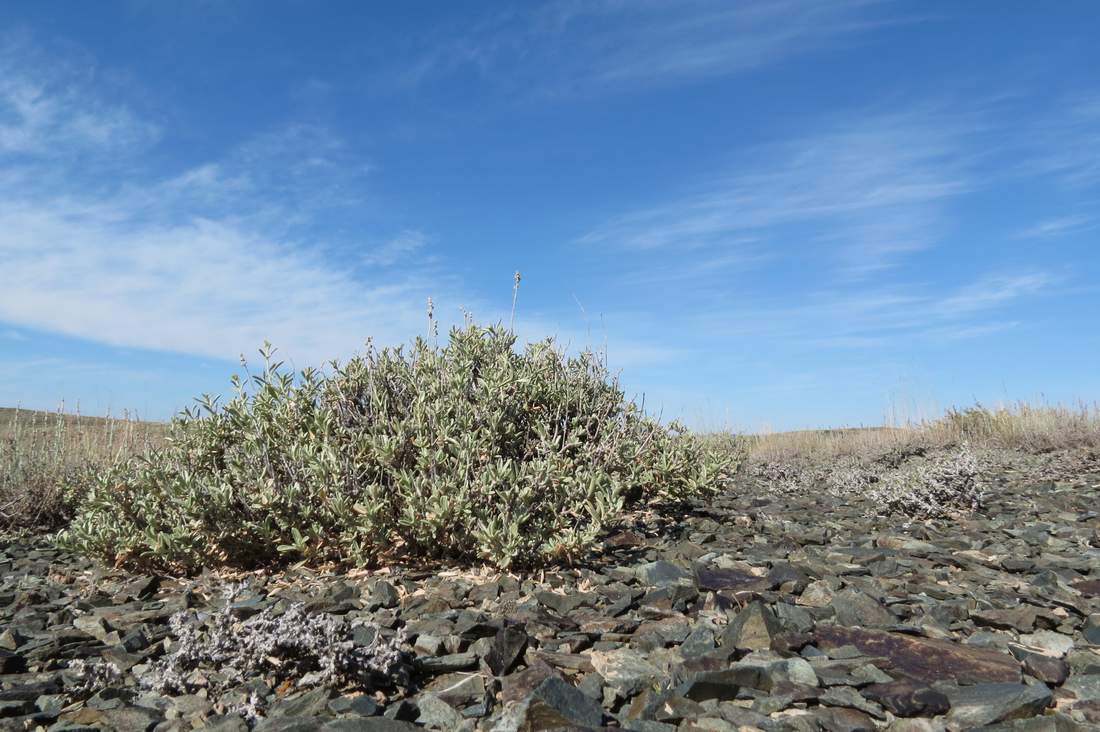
(1023, 426)
(931, 487)
(47, 460)
(470, 450)
(923, 469)
(918, 486)
(220, 652)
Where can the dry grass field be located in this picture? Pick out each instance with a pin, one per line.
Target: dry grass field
(41, 453)
(1020, 426)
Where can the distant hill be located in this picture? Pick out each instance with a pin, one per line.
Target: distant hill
(8, 415)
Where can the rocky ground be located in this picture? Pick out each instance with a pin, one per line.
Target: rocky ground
(754, 611)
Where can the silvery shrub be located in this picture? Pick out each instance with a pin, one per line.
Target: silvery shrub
(473, 450)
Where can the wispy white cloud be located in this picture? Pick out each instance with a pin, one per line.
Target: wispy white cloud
(568, 47)
(202, 287)
(1058, 226)
(50, 112)
(204, 262)
(859, 318)
(1066, 144)
(219, 257)
(992, 291)
(398, 249)
(872, 189)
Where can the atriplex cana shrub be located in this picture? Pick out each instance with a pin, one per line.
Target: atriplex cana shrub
(467, 450)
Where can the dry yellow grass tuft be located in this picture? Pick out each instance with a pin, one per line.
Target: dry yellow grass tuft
(1019, 426)
(45, 455)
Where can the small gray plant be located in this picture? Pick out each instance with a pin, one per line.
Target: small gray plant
(931, 487)
(220, 651)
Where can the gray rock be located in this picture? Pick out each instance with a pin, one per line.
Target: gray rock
(817, 594)
(552, 704)
(853, 607)
(1048, 642)
(306, 704)
(661, 573)
(1084, 687)
(367, 724)
(752, 629)
(383, 594)
(698, 642)
(1020, 618)
(361, 705)
(507, 648)
(448, 663)
(437, 714)
(1046, 668)
(11, 662)
(846, 696)
(624, 669)
(459, 689)
(706, 685)
(982, 704)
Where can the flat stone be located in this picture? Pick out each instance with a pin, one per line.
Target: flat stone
(367, 724)
(224, 723)
(552, 704)
(697, 643)
(11, 639)
(1046, 668)
(982, 704)
(1091, 631)
(126, 719)
(436, 713)
(908, 698)
(846, 696)
(1088, 588)
(427, 644)
(383, 594)
(924, 659)
(624, 669)
(1049, 642)
(518, 685)
(841, 719)
(853, 607)
(562, 604)
(1020, 618)
(816, 594)
(714, 580)
(306, 704)
(661, 573)
(362, 705)
(1085, 687)
(459, 689)
(289, 724)
(448, 663)
(15, 708)
(722, 685)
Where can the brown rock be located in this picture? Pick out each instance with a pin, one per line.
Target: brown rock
(924, 659)
(908, 698)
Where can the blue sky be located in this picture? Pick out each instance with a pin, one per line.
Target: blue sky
(772, 214)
